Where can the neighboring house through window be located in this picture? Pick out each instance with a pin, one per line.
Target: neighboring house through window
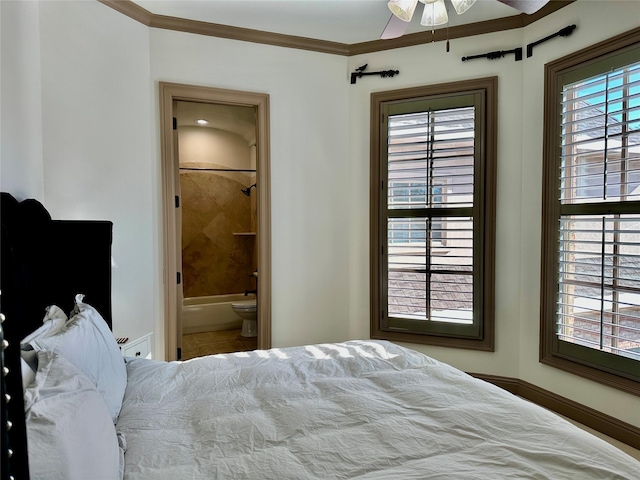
(433, 214)
(591, 214)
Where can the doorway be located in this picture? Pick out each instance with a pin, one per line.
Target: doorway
(175, 99)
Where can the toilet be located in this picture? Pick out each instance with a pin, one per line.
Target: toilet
(248, 311)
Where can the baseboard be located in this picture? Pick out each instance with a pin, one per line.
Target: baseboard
(603, 423)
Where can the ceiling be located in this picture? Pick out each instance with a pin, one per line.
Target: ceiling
(342, 21)
(231, 118)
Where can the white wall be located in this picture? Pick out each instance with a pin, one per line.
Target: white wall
(98, 155)
(21, 168)
(596, 21)
(89, 77)
(310, 189)
(520, 121)
(426, 65)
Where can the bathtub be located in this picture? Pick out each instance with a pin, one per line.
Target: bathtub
(212, 313)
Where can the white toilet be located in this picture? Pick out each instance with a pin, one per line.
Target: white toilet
(248, 311)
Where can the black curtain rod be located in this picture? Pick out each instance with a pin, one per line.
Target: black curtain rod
(564, 32)
(359, 73)
(497, 54)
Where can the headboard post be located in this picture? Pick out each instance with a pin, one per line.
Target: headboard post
(44, 262)
(13, 460)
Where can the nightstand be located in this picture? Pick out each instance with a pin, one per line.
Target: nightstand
(138, 347)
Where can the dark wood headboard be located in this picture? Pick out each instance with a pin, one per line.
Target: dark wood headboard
(44, 262)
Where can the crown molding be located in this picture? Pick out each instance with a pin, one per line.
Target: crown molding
(134, 11)
(131, 10)
(247, 34)
(468, 30)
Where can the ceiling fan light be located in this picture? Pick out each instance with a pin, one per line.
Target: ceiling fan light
(434, 14)
(462, 6)
(403, 9)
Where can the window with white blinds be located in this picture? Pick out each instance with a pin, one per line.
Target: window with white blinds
(599, 254)
(596, 318)
(430, 229)
(599, 295)
(600, 138)
(432, 236)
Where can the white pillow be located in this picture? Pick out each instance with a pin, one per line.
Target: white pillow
(27, 373)
(54, 320)
(70, 434)
(87, 343)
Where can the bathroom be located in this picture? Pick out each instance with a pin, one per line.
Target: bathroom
(217, 171)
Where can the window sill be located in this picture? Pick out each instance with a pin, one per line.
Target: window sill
(484, 345)
(593, 374)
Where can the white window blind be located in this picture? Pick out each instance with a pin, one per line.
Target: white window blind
(599, 227)
(430, 215)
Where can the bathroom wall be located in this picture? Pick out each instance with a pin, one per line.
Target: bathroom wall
(218, 220)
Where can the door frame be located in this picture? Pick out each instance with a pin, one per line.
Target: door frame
(170, 93)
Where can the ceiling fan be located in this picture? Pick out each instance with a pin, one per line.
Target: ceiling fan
(435, 12)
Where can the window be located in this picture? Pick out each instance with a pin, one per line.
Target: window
(591, 214)
(433, 214)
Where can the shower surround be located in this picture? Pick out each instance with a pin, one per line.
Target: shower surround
(218, 230)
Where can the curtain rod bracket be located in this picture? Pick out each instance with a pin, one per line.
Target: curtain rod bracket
(360, 72)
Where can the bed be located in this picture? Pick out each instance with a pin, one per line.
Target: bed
(359, 409)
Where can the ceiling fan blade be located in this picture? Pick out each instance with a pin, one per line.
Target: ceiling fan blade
(395, 28)
(526, 6)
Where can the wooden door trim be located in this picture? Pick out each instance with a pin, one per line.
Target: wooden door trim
(170, 92)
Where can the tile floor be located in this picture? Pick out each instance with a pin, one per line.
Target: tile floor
(210, 343)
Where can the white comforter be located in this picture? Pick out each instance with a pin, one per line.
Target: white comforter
(361, 409)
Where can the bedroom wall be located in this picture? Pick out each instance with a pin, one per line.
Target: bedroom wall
(21, 168)
(98, 126)
(78, 130)
(431, 64)
(520, 121)
(309, 185)
(596, 21)
(85, 93)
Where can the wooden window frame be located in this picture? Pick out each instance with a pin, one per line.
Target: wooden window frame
(484, 197)
(549, 352)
